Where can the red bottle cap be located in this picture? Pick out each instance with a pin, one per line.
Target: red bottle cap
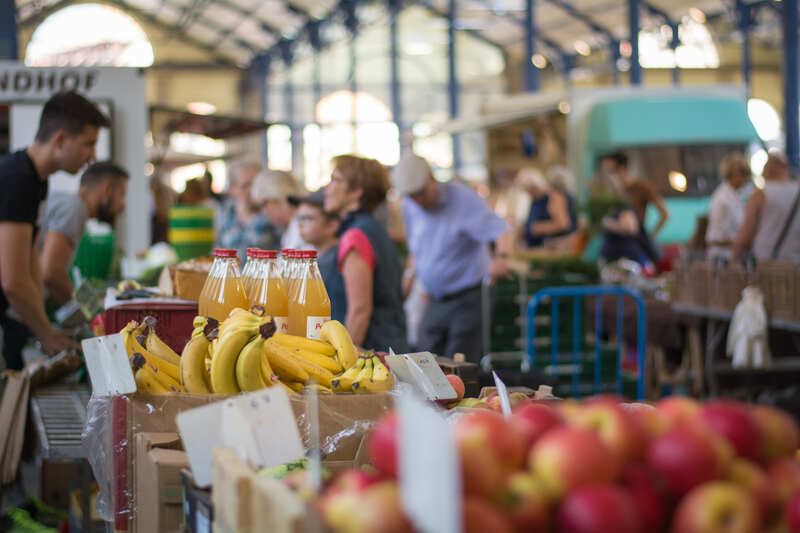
(270, 254)
(308, 254)
(252, 252)
(224, 252)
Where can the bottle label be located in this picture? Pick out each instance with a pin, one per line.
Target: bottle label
(281, 324)
(314, 325)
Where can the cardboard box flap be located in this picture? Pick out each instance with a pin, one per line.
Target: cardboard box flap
(164, 457)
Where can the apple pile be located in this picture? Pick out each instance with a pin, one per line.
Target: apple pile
(599, 466)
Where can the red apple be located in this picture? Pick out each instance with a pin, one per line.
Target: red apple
(598, 509)
(650, 419)
(719, 506)
(733, 421)
(457, 384)
(749, 476)
(779, 433)
(784, 476)
(493, 401)
(528, 505)
(793, 513)
(534, 420)
(685, 458)
(382, 445)
(377, 509)
(678, 410)
(353, 480)
(607, 399)
(648, 497)
(480, 516)
(518, 399)
(567, 458)
(490, 450)
(616, 427)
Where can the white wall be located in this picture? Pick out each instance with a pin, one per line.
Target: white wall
(124, 90)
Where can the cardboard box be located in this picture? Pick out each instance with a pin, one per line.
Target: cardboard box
(198, 513)
(158, 461)
(189, 283)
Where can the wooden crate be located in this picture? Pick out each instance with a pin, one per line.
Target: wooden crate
(779, 282)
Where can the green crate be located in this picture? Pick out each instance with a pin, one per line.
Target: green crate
(94, 255)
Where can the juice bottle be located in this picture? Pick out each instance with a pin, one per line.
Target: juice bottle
(269, 291)
(285, 262)
(248, 272)
(310, 307)
(223, 289)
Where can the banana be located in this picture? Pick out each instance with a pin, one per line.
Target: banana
(193, 361)
(223, 365)
(335, 333)
(363, 376)
(285, 364)
(156, 346)
(286, 387)
(315, 372)
(344, 383)
(164, 367)
(328, 363)
(296, 386)
(248, 366)
(147, 382)
(312, 345)
(139, 361)
(382, 379)
(129, 333)
(267, 374)
(199, 324)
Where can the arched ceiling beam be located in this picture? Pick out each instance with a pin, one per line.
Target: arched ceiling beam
(586, 19)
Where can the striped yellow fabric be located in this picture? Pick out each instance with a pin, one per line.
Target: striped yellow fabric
(183, 235)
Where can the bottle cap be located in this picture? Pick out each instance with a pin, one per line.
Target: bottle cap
(224, 252)
(267, 254)
(286, 251)
(308, 254)
(252, 252)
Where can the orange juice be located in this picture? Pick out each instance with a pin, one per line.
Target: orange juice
(223, 290)
(310, 307)
(250, 267)
(269, 291)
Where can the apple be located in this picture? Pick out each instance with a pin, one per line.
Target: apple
(518, 399)
(598, 509)
(793, 513)
(678, 410)
(567, 458)
(480, 516)
(779, 433)
(376, 509)
(468, 402)
(648, 496)
(784, 476)
(490, 450)
(733, 421)
(533, 420)
(482, 405)
(606, 399)
(749, 476)
(527, 503)
(382, 445)
(493, 401)
(616, 427)
(719, 506)
(353, 480)
(687, 457)
(653, 421)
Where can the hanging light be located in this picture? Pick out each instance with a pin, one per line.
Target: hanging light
(582, 48)
(697, 15)
(539, 61)
(677, 180)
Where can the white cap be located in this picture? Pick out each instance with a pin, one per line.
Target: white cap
(531, 177)
(273, 184)
(410, 174)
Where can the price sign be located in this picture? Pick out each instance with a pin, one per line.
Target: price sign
(422, 371)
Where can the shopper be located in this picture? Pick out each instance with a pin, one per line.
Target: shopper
(450, 234)
(552, 213)
(101, 196)
(66, 138)
(622, 239)
(320, 229)
(367, 257)
(771, 226)
(726, 212)
(271, 191)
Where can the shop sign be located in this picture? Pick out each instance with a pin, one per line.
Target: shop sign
(41, 81)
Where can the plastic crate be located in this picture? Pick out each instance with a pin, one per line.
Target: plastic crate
(174, 320)
(94, 255)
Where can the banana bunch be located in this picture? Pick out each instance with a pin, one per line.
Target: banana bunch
(235, 333)
(194, 372)
(336, 334)
(157, 369)
(369, 374)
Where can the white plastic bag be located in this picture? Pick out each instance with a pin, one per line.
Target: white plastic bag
(747, 336)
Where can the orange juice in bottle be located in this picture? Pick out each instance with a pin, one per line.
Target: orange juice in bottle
(223, 289)
(311, 307)
(269, 291)
(248, 272)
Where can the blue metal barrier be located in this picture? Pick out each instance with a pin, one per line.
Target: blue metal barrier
(577, 294)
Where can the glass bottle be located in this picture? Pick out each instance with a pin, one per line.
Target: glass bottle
(248, 272)
(223, 290)
(269, 291)
(310, 307)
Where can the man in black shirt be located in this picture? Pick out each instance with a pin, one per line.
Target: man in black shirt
(66, 138)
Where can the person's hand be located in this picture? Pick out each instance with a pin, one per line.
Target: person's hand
(499, 268)
(55, 342)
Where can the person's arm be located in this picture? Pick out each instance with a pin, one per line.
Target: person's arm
(559, 216)
(663, 212)
(408, 276)
(17, 280)
(358, 280)
(56, 254)
(747, 233)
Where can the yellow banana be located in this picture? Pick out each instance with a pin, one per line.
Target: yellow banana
(139, 361)
(285, 364)
(165, 367)
(312, 345)
(129, 333)
(296, 386)
(344, 383)
(363, 376)
(193, 362)
(156, 346)
(315, 372)
(248, 366)
(286, 387)
(335, 333)
(267, 374)
(199, 321)
(382, 379)
(223, 365)
(147, 382)
(328, 363)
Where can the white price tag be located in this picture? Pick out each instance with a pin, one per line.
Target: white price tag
(201, 432)
(108, 366)
(422, 371)
(430, 473)
(502, 393)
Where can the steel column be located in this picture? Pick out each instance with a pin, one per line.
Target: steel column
(633, 32)
(394, 55)
(260, 70)
(745, 22)
(614, 53)
(8, 30)
(351, 22)
(316, 82)
(453, 87)
(288, 99)
(791, 98)
(531, 71)
(674, 44)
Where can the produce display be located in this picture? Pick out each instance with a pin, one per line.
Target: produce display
(600, 466)
(243, 353)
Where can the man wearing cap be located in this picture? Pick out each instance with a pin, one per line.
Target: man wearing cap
(451, 234)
